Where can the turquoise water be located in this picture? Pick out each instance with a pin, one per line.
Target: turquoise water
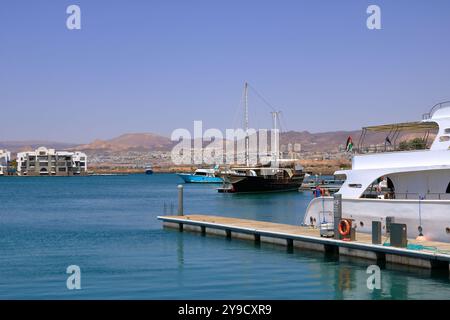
(107, 226)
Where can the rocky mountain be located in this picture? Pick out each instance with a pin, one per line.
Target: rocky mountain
(325, 141)
(144, 142)
(19, 146)
(129, 142)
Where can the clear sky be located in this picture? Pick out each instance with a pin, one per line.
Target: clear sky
(158, 65)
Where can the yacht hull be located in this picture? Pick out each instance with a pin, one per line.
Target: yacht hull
(190, 178)
(434, 215)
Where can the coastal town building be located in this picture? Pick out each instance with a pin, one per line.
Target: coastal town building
(48, 162)
(5, 158)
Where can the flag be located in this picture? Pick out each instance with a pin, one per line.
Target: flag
(349, 146)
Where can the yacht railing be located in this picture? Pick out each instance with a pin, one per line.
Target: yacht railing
(372, 149)
(391, 143)
(408, 196)
(435, 108)
(428, 196)
(379, 148)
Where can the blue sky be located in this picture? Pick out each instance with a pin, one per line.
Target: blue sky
(154, 66)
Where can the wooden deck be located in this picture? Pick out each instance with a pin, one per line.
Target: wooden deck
(434, 255)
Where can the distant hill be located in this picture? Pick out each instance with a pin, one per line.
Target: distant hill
(326, 141)
(330, 141)
(319, 142)
(144, 142)
(19, 146)
(312, 142)
(129, 142)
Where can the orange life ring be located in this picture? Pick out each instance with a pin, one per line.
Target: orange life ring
(344, 227)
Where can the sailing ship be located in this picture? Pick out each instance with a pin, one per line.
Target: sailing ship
(275, 175)
(285, 175)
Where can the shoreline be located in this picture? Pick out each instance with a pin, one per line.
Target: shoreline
(319, 167)
(314, 167)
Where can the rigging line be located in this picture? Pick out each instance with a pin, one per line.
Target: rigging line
(261, 97)
(271, 107)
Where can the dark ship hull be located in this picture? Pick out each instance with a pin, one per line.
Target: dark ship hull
(238, 184)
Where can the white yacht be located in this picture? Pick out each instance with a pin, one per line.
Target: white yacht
(418, 182)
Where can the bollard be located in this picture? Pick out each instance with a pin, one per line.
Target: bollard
(337, 212)
(399, 235)
(376, 232)
(180, 200)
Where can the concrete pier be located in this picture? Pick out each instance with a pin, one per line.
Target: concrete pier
(306, 238)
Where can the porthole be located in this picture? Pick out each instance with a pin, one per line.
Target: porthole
(361, 224)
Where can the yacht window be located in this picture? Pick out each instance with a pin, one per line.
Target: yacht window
(447, 131)
(444, 138)
(448, 188)
(355, 185)
(200, 174)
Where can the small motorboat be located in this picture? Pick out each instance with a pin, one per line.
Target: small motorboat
(201, 176)
(148, 169)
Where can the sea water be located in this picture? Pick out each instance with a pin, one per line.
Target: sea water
(108, 227)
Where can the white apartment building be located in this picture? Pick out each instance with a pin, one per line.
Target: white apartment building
(48, 162)
(5, 158)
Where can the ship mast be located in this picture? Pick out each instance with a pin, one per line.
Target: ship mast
(275, 136)
(247, 145)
